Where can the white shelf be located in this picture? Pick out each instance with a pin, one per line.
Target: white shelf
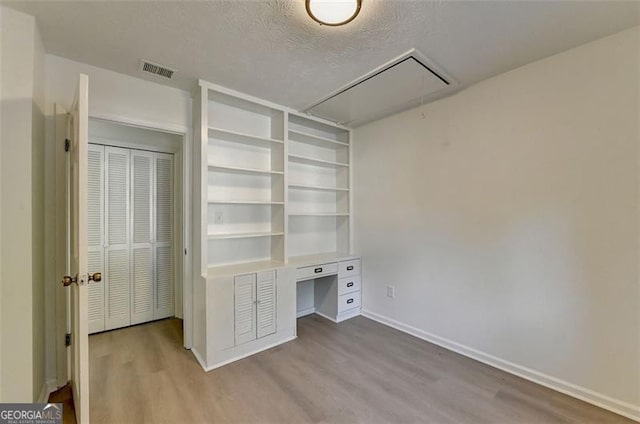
(224, 236)
(317, 140)
(317, 188)
(243, 202)
(276, 177)
(319, 214)
(242, 137)
(245, 170)
(317, 162)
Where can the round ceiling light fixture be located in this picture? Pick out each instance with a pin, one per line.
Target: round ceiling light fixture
(333, 12)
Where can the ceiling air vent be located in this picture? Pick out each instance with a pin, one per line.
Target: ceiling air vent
(155, 69)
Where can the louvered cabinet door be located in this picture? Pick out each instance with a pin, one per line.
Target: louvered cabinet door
(163, 246)
(141, 236)
(117, 219)
(244, 307)
(266, 303)
(95, 240)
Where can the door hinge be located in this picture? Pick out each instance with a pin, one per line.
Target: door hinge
(67, 144)
(67, 339)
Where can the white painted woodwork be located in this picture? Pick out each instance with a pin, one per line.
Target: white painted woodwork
(117, 232)
(95, 239)
(163, 236)
(276, 184)
(348, 285)
(265, 303)
(349, 268)
(133, 232)
(275, 196)
(245, 308)
(77, 251)
(315, 271)
(142, 252)
(331, 289)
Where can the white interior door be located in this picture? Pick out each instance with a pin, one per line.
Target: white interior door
(117, 253)
(78, 253)
(142, 236)
(95, 240)
(163, 239)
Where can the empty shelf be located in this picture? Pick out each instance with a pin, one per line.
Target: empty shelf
(241, 137)
(317, 162)
(223, 236)
(245, 170)
(314, 139)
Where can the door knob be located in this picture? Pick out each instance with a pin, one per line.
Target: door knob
(95, 277)
(68, 280)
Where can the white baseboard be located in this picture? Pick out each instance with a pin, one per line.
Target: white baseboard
(348, 315)
(247, 354)
(598, 399)
(325, 316)
(198, 357)
(48, 387)
(305, 312)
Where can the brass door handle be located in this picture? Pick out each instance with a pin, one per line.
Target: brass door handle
(68, 280)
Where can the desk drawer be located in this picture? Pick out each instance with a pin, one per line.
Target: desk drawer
(348, 285)
(349, 268)
(348, 301)
(316, 271)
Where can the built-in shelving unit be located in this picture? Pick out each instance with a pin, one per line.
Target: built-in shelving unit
(319, 202)
(275, 184)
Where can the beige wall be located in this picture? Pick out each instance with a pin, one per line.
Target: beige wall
(507, 219)
(21, 191)
(38, 216)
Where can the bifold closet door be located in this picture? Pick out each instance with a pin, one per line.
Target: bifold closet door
(117, 255)
(95, 242)
(163, 240)
(142, 164)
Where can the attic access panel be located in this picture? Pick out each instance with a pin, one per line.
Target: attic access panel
(396, 86)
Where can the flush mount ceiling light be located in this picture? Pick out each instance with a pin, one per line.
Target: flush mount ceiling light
(333, 12)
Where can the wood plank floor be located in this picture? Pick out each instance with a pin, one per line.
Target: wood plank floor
(358, 371)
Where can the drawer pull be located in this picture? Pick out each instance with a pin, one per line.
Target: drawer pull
(349, 300)
(350, 284)
(317, 270)
(350, 268)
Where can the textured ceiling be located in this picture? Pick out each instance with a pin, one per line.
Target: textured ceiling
(272, 50)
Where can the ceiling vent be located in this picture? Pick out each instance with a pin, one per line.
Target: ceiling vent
(156, 69)
(404, 82)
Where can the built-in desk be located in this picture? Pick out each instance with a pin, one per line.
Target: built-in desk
(328, 285)
(240, 310)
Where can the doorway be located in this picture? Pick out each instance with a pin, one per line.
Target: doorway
(155, 140)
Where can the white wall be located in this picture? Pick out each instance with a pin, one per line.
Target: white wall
(111, 96)
(507, 220)
(22, 145)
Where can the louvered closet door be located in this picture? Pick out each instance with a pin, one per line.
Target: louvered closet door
(117, 219)
(141, 236)
(266, 304)
(164, 268)
(245, 308)
(95, 242)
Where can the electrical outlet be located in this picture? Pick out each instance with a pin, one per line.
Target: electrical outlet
(391, 292)
(218, 218)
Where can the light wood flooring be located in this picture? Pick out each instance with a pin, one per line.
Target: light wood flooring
(358, 371)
